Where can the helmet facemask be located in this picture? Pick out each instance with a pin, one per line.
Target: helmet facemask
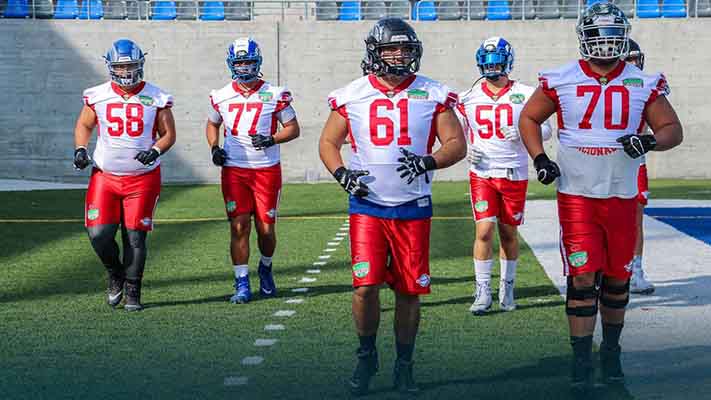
(394, 58)
(604, 42)
(245, 68)
(126, 73)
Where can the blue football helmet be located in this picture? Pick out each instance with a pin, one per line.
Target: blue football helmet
(495, 57)
(242, 51)
(125, 63)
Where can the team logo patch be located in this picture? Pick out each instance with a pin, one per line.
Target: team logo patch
(603, 80)
(423, 280)
(265, 96)
(417, 94)
(481, 205)
(231, 206)
(517, 98)
(147, 221)
(92, 214)
(272, 213)
(634, 82)
(146, 100)
(361, 269)
(423, 202)
(578, 259)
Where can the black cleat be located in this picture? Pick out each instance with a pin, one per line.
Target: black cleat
(133, 296)
(403, 380)
(611, 366)
(366, 368)
(114, 292)
(582, 376)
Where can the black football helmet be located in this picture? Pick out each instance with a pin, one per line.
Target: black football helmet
(603, 32)
(393, 33)
(635, 55)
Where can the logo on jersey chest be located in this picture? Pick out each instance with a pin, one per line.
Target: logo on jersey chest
(634, 82)
(265, 96)
(603, 80)
(146, 100)
(418, 94)
(517, 98)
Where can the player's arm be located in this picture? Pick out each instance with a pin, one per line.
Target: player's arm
(534, 114)
(82, 133)
(165, 126)
(665, 124)
(329, 148)
(212, 134)
(451, 137)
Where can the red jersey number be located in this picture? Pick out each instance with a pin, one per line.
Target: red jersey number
(376, 121)
(256, 108)
(131, 123)
(612, 95)
(486, 125)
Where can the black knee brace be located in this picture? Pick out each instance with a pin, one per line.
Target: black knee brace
(134, 253)
(103, 240)
(581, 294)
(607, 288)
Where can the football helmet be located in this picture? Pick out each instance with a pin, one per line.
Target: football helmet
(244, 59)
(495, 57)
(392, 47)
(635, 55)
(603, 32)
(125, 63)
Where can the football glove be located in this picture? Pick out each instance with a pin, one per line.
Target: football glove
(475, 155)
(219, 156)
(546, 168)
(511, 133)
(261, 142)
(350, 181)
(637, 145)
(414, 165)
(148, 157)
(81, 158)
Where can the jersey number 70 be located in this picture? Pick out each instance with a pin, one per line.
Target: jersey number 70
(610, 93)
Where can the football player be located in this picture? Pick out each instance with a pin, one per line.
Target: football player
(250, 110)
(135, 126)
(602, 105)
(639, 282)
(498, 174)
(391, 117)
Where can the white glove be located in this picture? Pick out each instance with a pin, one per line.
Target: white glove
(475, 155)
(511, 133)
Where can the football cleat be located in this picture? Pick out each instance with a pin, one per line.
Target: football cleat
(639, 283)
(482, 299)
(582, 375)
(243, 293)
(506, 295)
(133, 296)
(403, 380)
(611, 366)
(267, 288)
(366, 368)
(114, 292)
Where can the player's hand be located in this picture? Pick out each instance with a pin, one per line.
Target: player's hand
(147, 157)
(81, 158)
(414, 165)
(547, 169)
(511, 133)
(350, 181)
(261, 142)
(637, 145)
(475, 155)
(219, 156)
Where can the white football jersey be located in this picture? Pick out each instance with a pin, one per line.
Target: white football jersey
(381, 121)
(250, 113)
(593, 111)
(483, 115)
(126, 125)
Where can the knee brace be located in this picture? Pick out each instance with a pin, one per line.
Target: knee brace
(581, 294)
(607, 288)
(134, 253)
(103, 240)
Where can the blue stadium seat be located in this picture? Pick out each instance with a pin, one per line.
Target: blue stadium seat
(17, 9)
(212, 11)
(163, 10)
(66, 9)
(588, 3)
(91, 9)
(424, 11)
(349, 11)
(648, 9)
(674, 9)
(498, 10)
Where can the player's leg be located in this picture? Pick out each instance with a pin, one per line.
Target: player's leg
(266, 190)
(485, 205)
(513, 195)
(102, 216)
(639, 282)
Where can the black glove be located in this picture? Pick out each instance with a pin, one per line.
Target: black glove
(147, 157)
(637, 145)
(350, 181)
(414, 165)
(81, 158)
(261, 142)
(219, 156)
(547, 169)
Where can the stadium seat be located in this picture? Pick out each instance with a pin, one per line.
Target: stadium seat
(523, 9)
(548, 9)
(238, 10)
(66, 9)
(648, 9)
(115, 9)
(326, 11)
(588, 3)
(43, 9)
(449, 10)
(399, 8)
(570, 9)
(349, 11)
(424, 11)
(17, 9)
(163, 10)
(627, 7)
(674, 9)
(477, 10)
(186, 10)
(498, 10)
(703, 8)
(212, 11)
(374, 9)
(91, 9)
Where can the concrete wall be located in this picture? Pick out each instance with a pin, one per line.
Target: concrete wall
(44, 66)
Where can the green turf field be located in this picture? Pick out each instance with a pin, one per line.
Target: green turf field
(60, 340)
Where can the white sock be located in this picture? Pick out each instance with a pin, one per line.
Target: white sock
(508, 269)
(482, 270)
(636, 262)
(241, 270)
(267, 261)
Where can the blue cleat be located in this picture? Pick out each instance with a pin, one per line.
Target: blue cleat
(243, 293)
(267, 288)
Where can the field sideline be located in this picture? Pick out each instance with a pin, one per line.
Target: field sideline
(61, 341)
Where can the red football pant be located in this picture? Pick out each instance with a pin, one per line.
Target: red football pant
(597, 235)
(497, 198)
(252, 191)
(109, 196)
(642, 185)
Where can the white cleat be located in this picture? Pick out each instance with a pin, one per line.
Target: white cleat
(482, 299)
(639, 283)
(506, 295)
